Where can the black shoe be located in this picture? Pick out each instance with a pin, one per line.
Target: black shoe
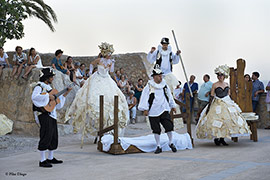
(217, 142)
(223, 142)
(45, 164)
(54, 161)
(173, 148)
(158, 150)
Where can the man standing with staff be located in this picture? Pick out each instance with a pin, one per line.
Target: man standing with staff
(165, 58)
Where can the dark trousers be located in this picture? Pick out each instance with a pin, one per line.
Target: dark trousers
(254, 105)
(164, 119)
(48, 133)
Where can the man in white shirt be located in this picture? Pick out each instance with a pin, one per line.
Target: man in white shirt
(156, 102)
(164, 58)
(47, 120)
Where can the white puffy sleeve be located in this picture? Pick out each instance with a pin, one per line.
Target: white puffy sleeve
(91, 69)
(171, 100)
(112, 66)
(39, 100)
(175, 58)
(62, 102)
(144, 105)
(152, 57)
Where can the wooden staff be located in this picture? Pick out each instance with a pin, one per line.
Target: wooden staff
(191, 94)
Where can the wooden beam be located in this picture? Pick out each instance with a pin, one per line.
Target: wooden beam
(107, 129)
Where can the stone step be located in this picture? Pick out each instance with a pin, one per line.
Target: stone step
(140, 119)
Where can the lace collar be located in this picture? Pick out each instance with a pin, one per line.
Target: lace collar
(164, 53)
(157, 86)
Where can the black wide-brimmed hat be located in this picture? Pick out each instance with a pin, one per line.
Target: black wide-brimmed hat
(165, 41)
(45, 73)
(156, 71)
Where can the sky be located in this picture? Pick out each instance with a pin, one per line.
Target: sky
(209, 32)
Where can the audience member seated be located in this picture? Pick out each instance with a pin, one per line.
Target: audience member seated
(82, 69)
(132, 101)
(19, 60)
(70, 66)
(178, 92)
(57, 64)
(78, 74)
(34, 61)
(123, 85)
(3, 60)
(87, 75)
(138, 89)
(117, 76)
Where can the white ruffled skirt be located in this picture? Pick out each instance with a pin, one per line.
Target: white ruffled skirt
(85, 108)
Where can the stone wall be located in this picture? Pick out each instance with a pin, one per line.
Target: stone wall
(133, 63)
(15, 95)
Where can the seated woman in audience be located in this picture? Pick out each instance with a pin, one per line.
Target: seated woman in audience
(87, 75)
(82, 69)
(132, 101)
(3, 60)
(123, 85)
(138, 89)
(34, 61)
(79, 76)
(19, 60)
(57, 64)
(70, 66)
(117, 76)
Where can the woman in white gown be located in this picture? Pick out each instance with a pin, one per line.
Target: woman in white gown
(85, 108)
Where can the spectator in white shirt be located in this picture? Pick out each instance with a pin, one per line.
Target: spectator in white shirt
(34, 61)
(20, 60)
(3, 60)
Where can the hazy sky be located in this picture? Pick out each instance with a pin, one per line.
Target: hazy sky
(209, 32)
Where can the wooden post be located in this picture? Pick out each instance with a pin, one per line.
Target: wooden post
(241, 99)
(188, 117)
(101, 120)
(115, 142)
(116, 147)
(233, 84)
(248, 97)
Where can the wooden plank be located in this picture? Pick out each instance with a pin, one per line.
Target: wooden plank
(183, 115)
(107, 129)
(179, 103)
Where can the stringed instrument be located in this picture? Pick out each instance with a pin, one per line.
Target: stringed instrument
(52, 103)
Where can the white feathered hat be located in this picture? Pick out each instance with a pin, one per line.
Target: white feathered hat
(106, 49)
(223, 69)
